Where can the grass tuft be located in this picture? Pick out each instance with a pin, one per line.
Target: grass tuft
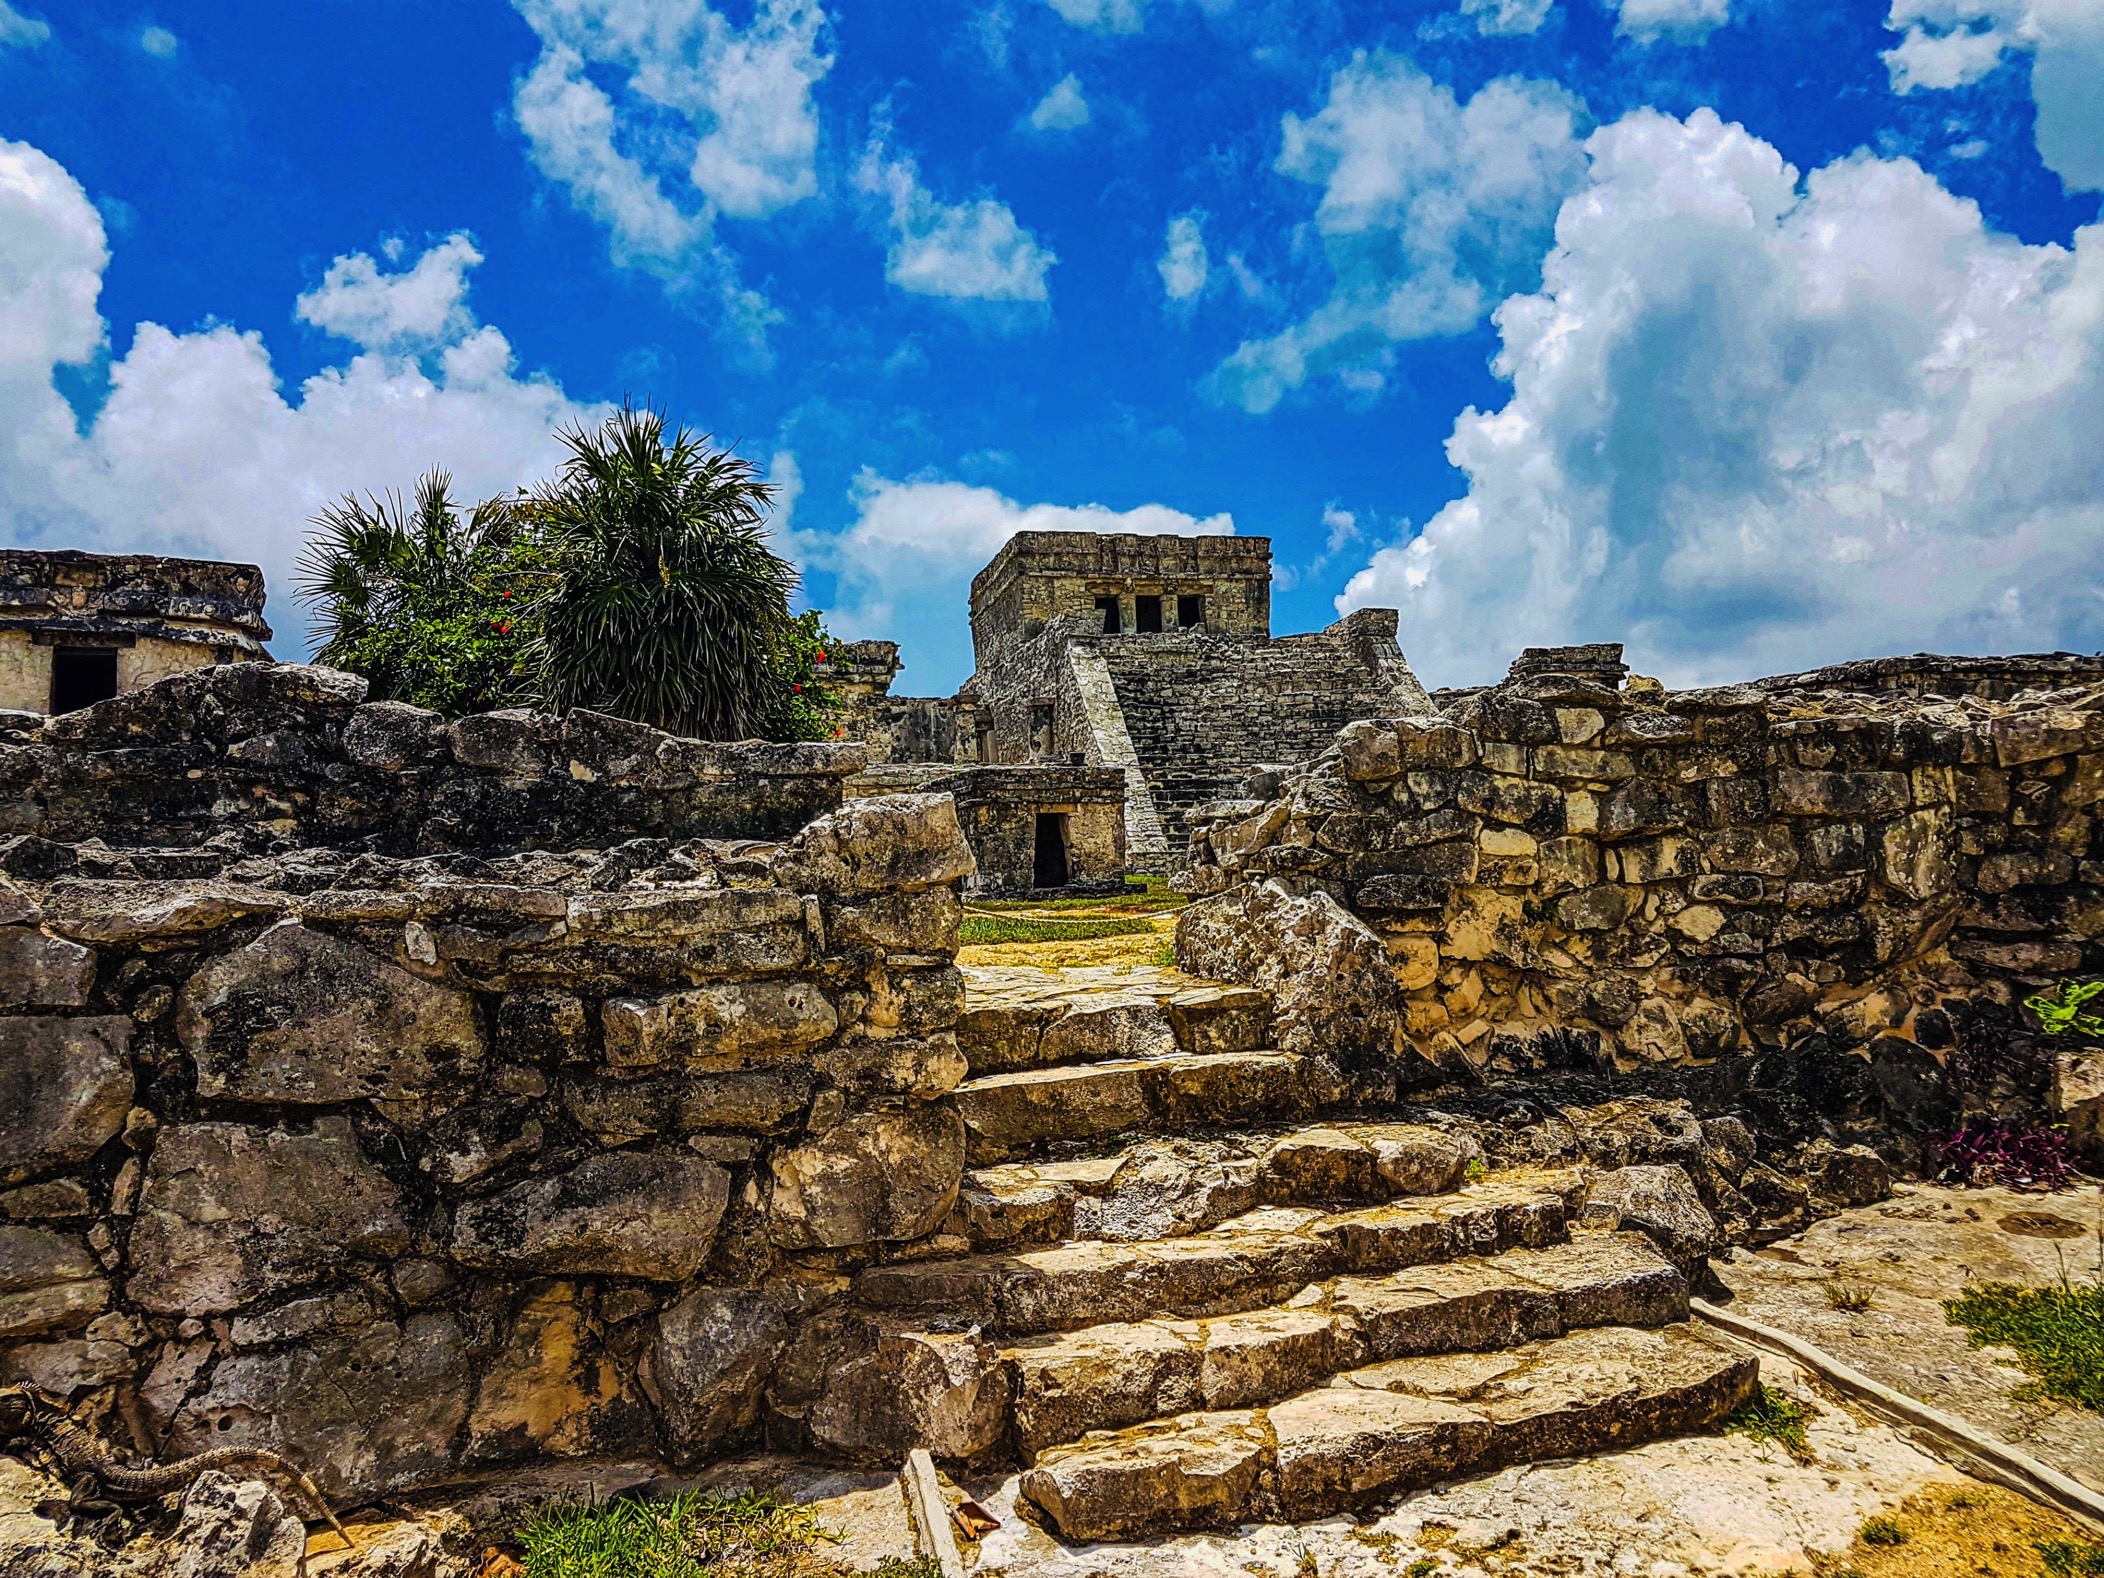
(1850, 1296)
(1770, 1416)
(1882, 1530)
(2057, 1332)
(2072, 1558)
(691, 1535)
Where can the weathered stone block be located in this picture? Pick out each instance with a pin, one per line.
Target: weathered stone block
(393, 735)
(1641, 806)
(881, 1177)
(625, 1213)
(1800, 793)
(708, 1364)
(2024, 869)
(924, 922)
(1661, 1203)
(303, 1017)
(1597, 909)
(1765, 850)
(1657, 859)
(41, 971)
(230, 1213)
(48, 1282)
(718, 1027)
(552, 1389)
(515, 741)
(65, 1086)
(878, 843)
(1583, 763)
(1518, 801)
(362, 1413)
(619, 1112)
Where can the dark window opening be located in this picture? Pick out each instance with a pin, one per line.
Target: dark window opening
(984, 742)
(1190, 612)
(1040, 729)
(1048, 868)
(1113, 622)
(82, 676)
(1147, 615)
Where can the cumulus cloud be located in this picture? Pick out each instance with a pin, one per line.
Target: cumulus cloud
(422, 306)
(966, 251)
(1507, 17)
(1183, 260)
(689, 117)
(1102, 16)
(1062, 109)
(903, 568)
(1681, 21)
(197, 449)
(1758, 424)
(18, 31)
(1953, 43)
(1431, 211)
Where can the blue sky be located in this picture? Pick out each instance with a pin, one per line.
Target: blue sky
(1756, 334)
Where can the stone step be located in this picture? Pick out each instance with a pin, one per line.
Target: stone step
(1122, 1373)
(1374, 1434)
(1257, 1259)
(1017, 1019)
(1008, 1114)
(1159, 1188)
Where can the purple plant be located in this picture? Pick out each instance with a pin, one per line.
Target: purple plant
(2014, 1155)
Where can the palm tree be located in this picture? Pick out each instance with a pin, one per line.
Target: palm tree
(665, 604)
(420, 602)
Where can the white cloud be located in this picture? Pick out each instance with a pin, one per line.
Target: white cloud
(904, 566)
(1952, 43)
(197, 450)
(19, 31)
(423, 306)
(1757, 425)
(1183, 260)
(1495, 17)
(1431, 211)
(1682, 21)
(1102, 16)
(966, 251)
(158, 42)
(706, 119)
(1062, 109)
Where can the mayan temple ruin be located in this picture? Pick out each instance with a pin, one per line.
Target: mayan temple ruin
(1466, 1089)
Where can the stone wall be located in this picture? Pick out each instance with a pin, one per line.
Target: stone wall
(998, 808)
(403, 1167)
(294, 753)
(1820, 903)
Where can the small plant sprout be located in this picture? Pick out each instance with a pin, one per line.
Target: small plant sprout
(1770, 1416)
(2062, 1013)
(1882, 1530)
(1851, 1297)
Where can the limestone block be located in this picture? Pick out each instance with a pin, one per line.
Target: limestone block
(2078, 1100)
(1415, 1160)
(68, 1366)
(718, 1027)
(1507, 841)
(1340, 1446)
(301, 1016)
(1199, 1471)
(619, 1112)
(1796, 792)
(710, 1358)
(878, 843)
(2034, 736)
(596, 747)
(646, 1214)
(41, 971)
(1332, 989)
(1568, 863)
(2024, 869)
(1597, 909)
(65, 1087)
(1424, 744)
(49, 1281)
(1660, 1202)
(229, 1213)
(362, 1412)
(552, 1389)
(1102, 1378)
(1315, 1165)
(1847, 1176)
(515, 741)
(1657, 859)
(1370, 750)
(1653, 1033)
(872, 1390)
(1416, 960)
(1520, 802)
(233, 1528)
(1583, 763)
(1641, 806)
(881, 1177)
(923, 922)
(393, 735)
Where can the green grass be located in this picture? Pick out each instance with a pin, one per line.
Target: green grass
(1770, 1416)
(1164, 957)
(1882, 1530)
(690, 1535)
(2057, 1332)
(1155, 897)
(2072, 1558)
(979, 928)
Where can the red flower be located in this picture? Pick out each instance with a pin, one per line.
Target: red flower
(507, 594)
(821, 655)
(798, 688)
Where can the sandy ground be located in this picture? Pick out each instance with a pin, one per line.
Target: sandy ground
(1134, 948)
(1912, 1252)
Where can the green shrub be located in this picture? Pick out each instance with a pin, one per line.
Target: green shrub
(1770, 1416)
(2072, 1558)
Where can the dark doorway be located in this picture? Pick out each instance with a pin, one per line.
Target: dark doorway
(1190, 612)
(1147, 615)
(82, 676)
(1112, 621)
(1049, 867)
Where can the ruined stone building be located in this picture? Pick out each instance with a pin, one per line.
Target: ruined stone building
(77, 628)
(1151, 655)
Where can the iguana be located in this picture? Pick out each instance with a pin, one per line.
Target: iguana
(86, 1466)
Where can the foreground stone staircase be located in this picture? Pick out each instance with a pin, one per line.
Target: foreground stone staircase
(1212, 1307)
